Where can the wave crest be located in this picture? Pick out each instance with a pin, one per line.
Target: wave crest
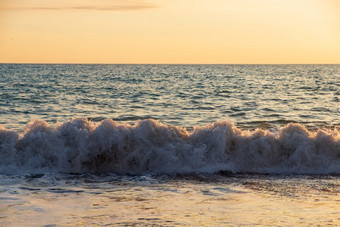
(148, 146)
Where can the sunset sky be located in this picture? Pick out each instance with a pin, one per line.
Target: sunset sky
(170, 31)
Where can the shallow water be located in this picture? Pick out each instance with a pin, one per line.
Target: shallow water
(181, 200)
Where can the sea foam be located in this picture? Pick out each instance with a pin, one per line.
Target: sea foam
(148, 146)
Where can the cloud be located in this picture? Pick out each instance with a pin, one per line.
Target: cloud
(115, 6)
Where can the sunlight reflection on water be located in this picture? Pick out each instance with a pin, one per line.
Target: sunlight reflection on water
(171, 201)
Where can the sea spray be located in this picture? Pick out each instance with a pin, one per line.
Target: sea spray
(148, 146)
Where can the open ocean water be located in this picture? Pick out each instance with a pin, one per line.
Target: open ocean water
(169, 145)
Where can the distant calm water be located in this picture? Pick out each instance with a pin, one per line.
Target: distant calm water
(181, 95)
(169, 145)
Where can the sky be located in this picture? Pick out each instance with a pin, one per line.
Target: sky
(170, 31)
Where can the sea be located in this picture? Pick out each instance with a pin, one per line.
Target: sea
(169, 145)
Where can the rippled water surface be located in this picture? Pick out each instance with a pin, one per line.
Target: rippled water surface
(199, 200)
(182, 95)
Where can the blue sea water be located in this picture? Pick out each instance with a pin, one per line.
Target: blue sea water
(91, 132)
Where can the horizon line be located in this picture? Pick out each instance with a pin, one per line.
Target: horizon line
(52, 63)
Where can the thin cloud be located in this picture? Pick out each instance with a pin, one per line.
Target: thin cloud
(119, 6)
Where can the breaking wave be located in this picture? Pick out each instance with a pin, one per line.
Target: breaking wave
(82, 146)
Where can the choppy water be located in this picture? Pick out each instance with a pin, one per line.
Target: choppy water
(169, 144)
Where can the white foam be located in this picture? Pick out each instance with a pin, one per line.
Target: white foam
(149, 146)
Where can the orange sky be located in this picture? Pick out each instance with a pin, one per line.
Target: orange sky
(170, 31)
